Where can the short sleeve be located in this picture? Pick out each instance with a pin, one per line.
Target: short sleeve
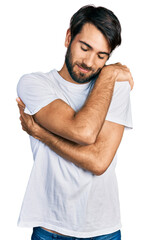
(36, 91)
(120, 108)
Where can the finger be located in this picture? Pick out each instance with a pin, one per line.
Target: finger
(118, 63)
(22, 123)
(20, 102)
(21, 106)
(26, 117)
(131, 81)
(25, 125)
(132, 85)
(21, 109)
(21, 119)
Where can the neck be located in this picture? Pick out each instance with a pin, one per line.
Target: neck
(65, 74)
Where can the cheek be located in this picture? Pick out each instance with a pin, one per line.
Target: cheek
(100, 63)
(76, 57)
(77, 54)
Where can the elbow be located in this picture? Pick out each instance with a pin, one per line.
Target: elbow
(87, 136)
(100, 169)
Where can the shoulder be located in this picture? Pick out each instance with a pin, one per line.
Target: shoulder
(36, 91)
(120, 106)
(35, 77)
(122, 88)
(37, 83)
(35, 80)
(121, 92)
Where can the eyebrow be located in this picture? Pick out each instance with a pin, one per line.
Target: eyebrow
(92, 48)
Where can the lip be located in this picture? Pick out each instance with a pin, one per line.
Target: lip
(82, 69)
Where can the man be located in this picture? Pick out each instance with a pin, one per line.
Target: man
(76, 119)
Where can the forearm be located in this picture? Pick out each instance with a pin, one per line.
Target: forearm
(95, 157)
(82, 156)
(81, 127)
(93, 113)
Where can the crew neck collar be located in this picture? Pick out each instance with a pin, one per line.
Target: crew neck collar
(70, 84)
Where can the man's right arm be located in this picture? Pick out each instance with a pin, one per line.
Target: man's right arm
(95, 157)
(58, 117)
(83, 127)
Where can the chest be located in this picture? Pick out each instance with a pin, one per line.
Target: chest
(73, 97)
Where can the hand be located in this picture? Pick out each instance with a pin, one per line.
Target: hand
(27, 121)
(121, 72)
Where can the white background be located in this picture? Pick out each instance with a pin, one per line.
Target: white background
(32, 39)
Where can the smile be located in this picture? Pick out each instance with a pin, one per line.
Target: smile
(83, 69)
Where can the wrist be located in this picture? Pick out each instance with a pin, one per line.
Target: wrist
(110, 72)
(108, 75)
(38, 132)
(46, 137)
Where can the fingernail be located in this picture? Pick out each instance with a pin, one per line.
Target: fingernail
(18, 99)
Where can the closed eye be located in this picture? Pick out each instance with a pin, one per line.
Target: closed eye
(84, 49)
(100, 57)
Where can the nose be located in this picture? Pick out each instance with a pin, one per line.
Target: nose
(89, 60)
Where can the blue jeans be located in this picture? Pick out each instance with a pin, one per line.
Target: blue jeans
(41, 234)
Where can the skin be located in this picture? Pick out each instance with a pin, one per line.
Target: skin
(84, 138)
(83, 127)
(88, 58)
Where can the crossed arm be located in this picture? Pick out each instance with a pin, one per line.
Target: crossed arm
(95, 157)
(68, 133)
(80, 127)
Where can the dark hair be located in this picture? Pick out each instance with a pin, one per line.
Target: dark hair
(100, 17)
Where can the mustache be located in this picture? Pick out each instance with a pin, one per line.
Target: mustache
(83, 65)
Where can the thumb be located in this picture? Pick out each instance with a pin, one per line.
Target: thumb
(20, 102)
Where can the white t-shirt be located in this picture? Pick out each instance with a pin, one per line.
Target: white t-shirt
(61, 196)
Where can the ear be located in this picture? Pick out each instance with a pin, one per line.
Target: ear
(68, 38)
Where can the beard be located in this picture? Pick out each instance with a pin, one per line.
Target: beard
(79, 77)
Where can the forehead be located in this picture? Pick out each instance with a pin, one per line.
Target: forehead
(93, 36)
